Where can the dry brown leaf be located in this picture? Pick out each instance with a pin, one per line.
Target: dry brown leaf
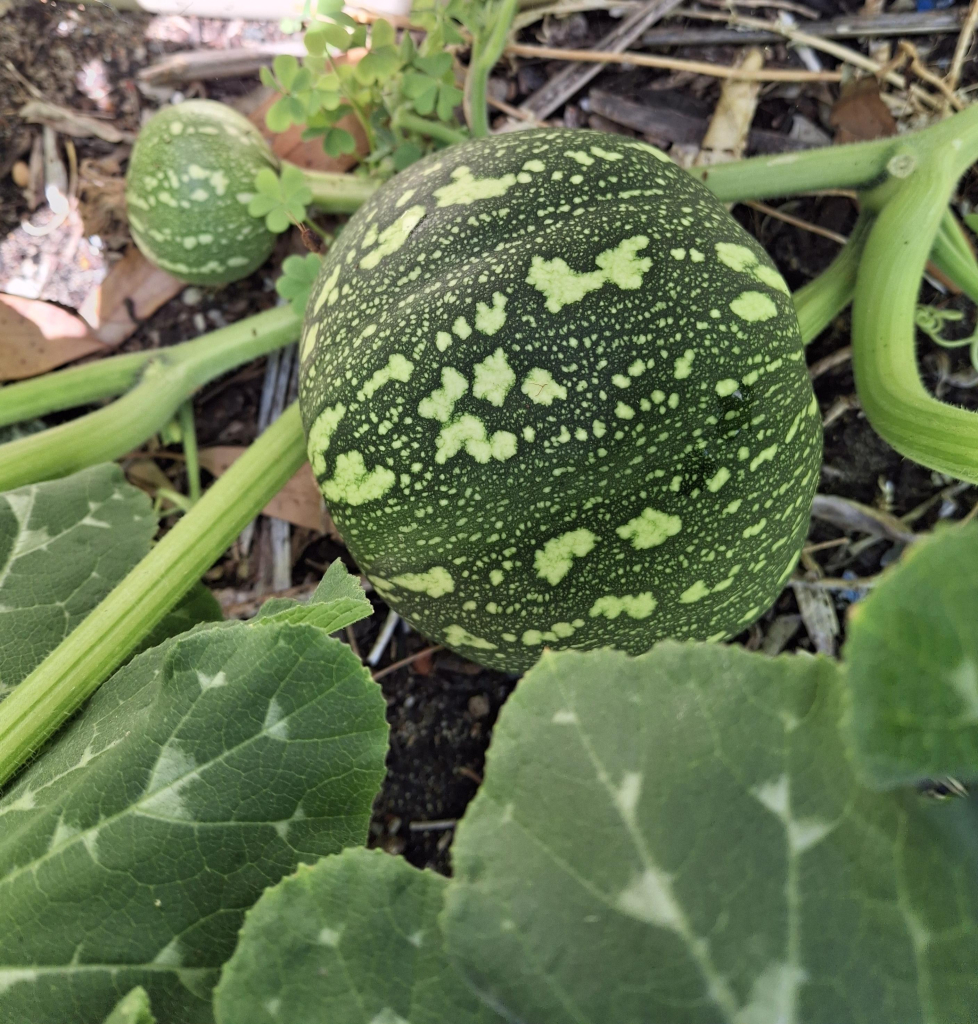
(36, 337)
(147, 475)
(133, 278)
(859, 114)
(299, 502)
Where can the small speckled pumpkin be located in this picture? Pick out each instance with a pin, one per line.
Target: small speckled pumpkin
(555, 395)
(191, 176)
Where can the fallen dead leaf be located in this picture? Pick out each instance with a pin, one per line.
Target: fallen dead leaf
(36, 337)
(147, 475)
(299, 502)
(133, 278)
(859, 115)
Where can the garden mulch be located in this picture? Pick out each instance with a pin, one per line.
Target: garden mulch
(441, 708)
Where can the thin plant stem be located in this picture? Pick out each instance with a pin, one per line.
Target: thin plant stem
(953, 257)
(188, 429)
(900, 409)
(820, 301)
(75, 669)
(338, 193)
(166, 383)
(409, 122)
(487, 48)
(66, 389)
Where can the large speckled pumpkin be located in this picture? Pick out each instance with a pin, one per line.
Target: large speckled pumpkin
(190, 179)
(555, 395)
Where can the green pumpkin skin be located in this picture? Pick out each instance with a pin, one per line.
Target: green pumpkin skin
(556, 396)
(190, 179)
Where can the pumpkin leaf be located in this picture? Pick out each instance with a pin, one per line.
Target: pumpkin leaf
(337, 602)
(199, 774)
(912, 658)
(682, 837)
(311, 946)
(132, 1009)
(298, 276)
(280, 199)
(64, 545)
(198, 606)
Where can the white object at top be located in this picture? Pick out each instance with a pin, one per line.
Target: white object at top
(258, 10)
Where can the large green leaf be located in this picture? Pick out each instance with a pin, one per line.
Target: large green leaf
(353, 940)
(197, 606)
(338, 601)
(202, 772)
(912, 658)
(679, 838)
(132, 1009)
(63, 546)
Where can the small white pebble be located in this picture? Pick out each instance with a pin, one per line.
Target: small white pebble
(192, 296)
(200, 324)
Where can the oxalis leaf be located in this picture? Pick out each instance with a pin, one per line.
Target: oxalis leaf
(352, 940)
(202, 772)
(63, 546)
(680, 838)
(912, 658)
(299, 274)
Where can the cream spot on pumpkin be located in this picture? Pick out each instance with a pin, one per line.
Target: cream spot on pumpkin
(636, 606)
(493, 378)
(650, 529)
(554, 561)
(456, 636)
(353, 483)
(465, 189)
(394, 236)
(754, 307)
(488, 319)
(540, 387)
(436, 582)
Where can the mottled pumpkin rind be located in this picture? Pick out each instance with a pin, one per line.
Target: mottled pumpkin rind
(190, 179)
(556, 396)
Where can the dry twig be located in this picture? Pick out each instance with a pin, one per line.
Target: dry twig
(797, 222)
(697, 67)
(409, 660)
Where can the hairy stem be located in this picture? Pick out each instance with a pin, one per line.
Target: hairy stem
(338, 193)
(953, 257)
(898, 406)
(487, 48)
(65, 389)
(89, 655)
(433, 129)
(820, 301)
(167, 382)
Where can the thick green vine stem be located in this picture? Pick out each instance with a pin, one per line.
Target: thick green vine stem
(89, 655)
(167, 382)
(338, 193)
(66, 389)
(951, 254)
(487, 48)
(911, 208)
(820, 301)
(409, 122)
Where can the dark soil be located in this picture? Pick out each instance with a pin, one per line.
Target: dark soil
(441, 709)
